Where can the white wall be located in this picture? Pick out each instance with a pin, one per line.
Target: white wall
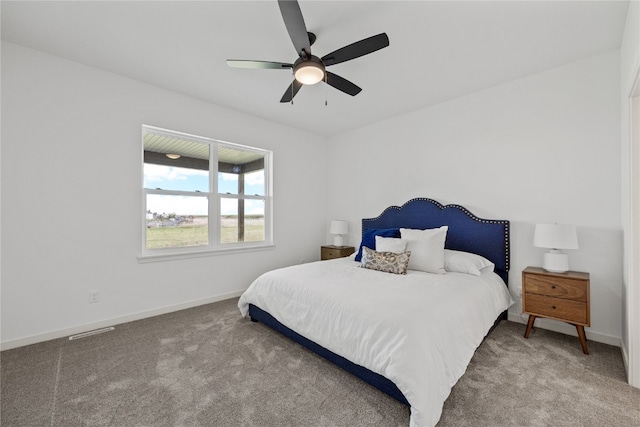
(71, 198)
(540, 149)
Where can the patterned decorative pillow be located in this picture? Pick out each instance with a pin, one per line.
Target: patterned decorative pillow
(387, 262)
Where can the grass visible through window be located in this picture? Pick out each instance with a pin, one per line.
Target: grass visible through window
(195, 232)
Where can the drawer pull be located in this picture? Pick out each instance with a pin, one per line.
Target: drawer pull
(553, 286)
(553, 306)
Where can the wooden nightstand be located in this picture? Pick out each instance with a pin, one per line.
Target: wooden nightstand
(559, 296)
(332, 252)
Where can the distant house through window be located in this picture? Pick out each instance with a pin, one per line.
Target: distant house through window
(201, 194)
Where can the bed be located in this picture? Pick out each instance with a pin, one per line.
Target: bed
(410, 335)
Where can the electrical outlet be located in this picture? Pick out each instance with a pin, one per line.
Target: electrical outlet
(94, 296)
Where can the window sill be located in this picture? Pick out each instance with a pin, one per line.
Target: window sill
(171, 256)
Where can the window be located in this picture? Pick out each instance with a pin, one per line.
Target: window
(200, 194)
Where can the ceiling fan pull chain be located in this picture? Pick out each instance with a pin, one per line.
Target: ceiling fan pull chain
(325, 89)
(294, 76)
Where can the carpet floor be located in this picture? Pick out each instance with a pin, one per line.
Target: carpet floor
(207, 366)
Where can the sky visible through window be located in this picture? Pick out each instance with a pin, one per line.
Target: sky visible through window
(183, 179)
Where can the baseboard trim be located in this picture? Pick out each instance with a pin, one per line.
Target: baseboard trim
(62, 333)
(565, 328)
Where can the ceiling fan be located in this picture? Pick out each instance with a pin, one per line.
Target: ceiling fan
(308, 69)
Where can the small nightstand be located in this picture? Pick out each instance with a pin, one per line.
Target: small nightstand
(332, 252)
(559, 296)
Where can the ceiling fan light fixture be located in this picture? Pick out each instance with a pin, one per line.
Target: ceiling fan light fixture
(309, 72)
(308, 69)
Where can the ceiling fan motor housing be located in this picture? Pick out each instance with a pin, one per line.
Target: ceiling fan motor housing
(309, 71)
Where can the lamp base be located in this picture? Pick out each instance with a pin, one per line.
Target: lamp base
(338, 240)
(556, 261)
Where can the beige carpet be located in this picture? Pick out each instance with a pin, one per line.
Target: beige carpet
(209, 367)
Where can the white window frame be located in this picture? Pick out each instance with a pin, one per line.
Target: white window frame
(214, 202)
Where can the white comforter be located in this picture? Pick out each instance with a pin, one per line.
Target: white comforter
(419, 330)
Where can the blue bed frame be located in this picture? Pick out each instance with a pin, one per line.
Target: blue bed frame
(467, 232)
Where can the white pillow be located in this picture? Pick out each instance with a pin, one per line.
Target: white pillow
(466, 262)
(426, 247)
(390, 244)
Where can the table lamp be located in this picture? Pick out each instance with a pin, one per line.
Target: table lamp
(338, 228)
(555, 237)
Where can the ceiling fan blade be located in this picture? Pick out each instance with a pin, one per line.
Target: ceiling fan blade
(241, 63)
(291, 91)
(342, 84)
(357, 49)
(293, 20)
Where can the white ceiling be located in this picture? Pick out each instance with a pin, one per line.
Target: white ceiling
(438, 50)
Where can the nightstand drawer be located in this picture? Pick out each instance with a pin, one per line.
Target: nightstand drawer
(557, 308)
(559, 287)
(333, 252)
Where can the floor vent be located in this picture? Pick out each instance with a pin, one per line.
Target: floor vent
(90, 333)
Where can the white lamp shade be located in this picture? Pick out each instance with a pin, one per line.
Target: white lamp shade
(339, 227)
(555, 236)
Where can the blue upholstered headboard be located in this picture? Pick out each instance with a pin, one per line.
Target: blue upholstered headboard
(467, 232)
